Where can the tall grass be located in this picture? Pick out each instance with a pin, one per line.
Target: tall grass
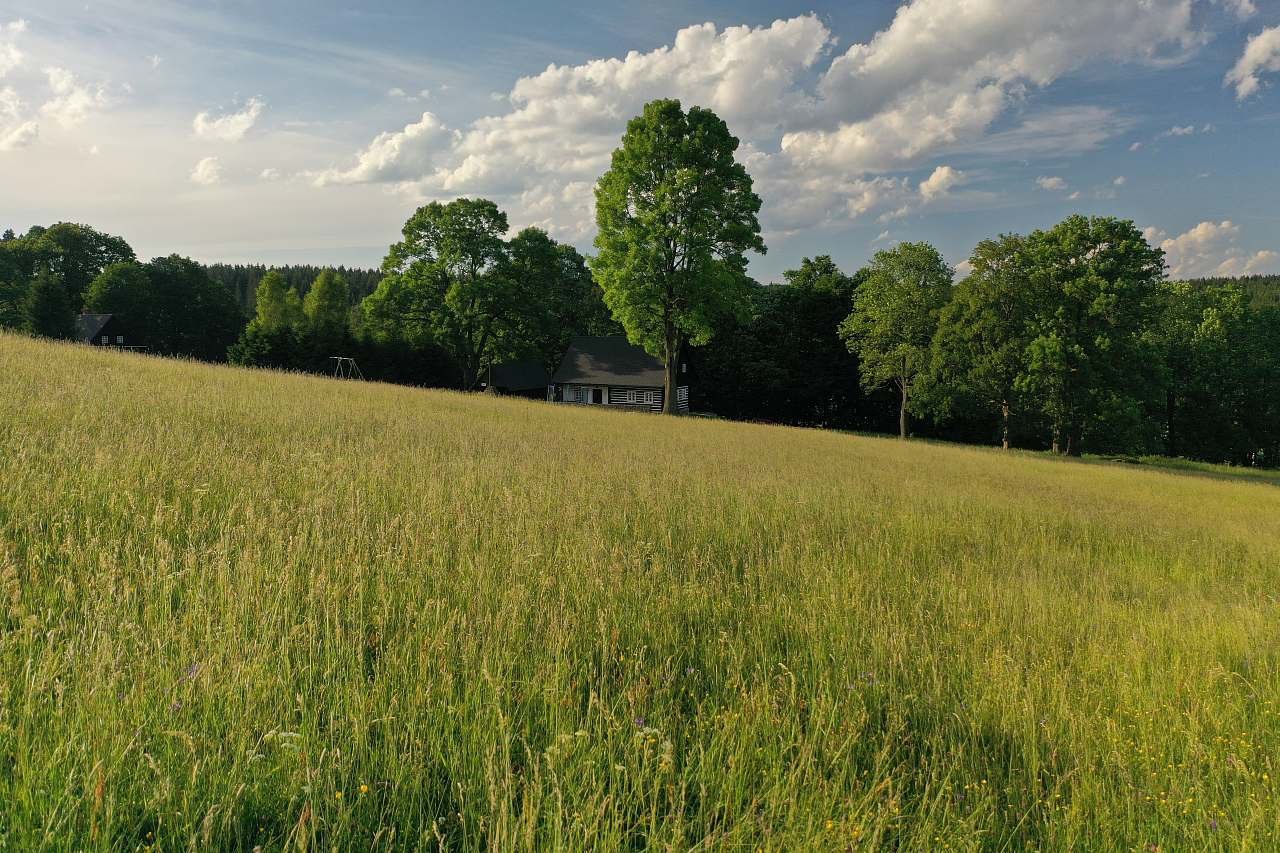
(244, 609)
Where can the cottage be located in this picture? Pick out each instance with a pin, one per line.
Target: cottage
(103, 330)
(525, 378)
(610, 371)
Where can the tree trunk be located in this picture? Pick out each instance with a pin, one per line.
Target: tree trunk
(671, 381)
(1057, 439)
(1004, 424)
(902, 410)
(1074, 447)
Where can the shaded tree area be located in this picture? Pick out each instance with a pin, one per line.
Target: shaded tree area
(785, 362)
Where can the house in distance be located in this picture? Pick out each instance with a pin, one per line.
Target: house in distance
(103, 330)
(611, 371)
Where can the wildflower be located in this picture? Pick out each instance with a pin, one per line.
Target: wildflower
(337, 795)
(831, 824)
(640, 722)
(364, 789)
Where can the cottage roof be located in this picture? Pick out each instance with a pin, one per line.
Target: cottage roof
(524, 375)
(609, 360)
(89, 325)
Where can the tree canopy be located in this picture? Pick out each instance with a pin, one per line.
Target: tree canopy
(676, 214)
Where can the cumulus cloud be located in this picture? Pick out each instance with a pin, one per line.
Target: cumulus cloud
(941, 74)
(229, 127)
(207, 172)
(1051, 183)
(821, 136)
(939, 184)
(396, 156)
(270, 174)
(72, 100)
(1211, 249)
(1120, 181)
(1261, 54)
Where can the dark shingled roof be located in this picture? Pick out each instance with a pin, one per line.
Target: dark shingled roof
(610, 360)
(88, 325)
(519, 375)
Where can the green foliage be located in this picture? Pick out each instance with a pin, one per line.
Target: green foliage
(894, 317)
(194, 316)
(676, 215)
(979, 352)
(125, 290)
(445, 282)
(48, 311)
(243, 280)
(77, 254)
(553, 298)
(260, 345)
(1094, 280)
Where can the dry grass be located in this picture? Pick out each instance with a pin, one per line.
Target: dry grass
(240, 609)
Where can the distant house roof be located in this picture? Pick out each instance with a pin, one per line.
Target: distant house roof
(610, 360)
(89, 325)
(522, 375)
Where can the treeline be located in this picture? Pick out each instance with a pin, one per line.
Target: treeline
(243, 280)
(1065, 339)
(1263, 291)
(455, 297)
(50, 275)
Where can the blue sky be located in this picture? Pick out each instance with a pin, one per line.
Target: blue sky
(290, 131)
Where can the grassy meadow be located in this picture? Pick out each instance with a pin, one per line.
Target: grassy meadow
(241, 609)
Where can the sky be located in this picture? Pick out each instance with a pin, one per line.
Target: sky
(281, 131)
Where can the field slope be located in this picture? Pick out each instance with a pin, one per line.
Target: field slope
(245, 609)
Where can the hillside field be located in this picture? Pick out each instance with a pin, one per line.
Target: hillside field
(244, 609)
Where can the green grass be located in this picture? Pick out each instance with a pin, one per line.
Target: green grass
(242, 608)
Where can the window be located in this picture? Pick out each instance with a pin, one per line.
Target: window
(120, 340)
(106, 339)
(579, 394)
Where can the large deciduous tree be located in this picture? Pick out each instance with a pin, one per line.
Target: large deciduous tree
(980, 348)
(1096, 278)
(894, 317)
(445, 283)
(554, 297)
(676, 215)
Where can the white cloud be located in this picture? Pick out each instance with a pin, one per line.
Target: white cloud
(16, 131)
(270, 174)
(1185, 130)
(230, 127)
(821, 143)
(941, 74)
(1261, 54)
(1120, 181)
(1137, 146)
(72, 100)
(1211, 249)
(155, 59)
(1053, 184)
(397, 92)
(207, 172)
(1074, 196)
(399, 156)
(940, 183)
